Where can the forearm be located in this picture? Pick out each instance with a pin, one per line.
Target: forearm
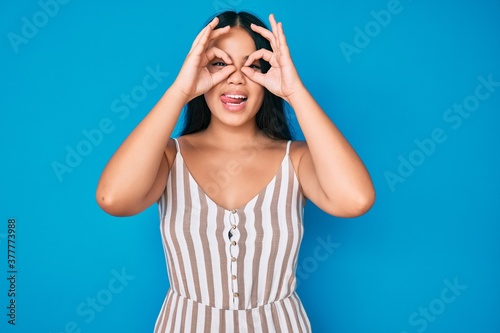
(130, 173)
(340, 172)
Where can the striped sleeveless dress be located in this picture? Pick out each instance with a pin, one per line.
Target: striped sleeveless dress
(231, 271)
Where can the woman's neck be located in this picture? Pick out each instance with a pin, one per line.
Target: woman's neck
(230, 138)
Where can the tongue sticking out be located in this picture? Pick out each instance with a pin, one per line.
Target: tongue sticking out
(226, 99)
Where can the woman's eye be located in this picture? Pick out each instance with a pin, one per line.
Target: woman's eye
(255, 67)
(219, 64)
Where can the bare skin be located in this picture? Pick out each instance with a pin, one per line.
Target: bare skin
(232, 161)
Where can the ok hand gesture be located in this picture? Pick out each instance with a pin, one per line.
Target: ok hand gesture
(194, 79)
(282, 78)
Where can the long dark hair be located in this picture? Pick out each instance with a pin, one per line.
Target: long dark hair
(270, 118)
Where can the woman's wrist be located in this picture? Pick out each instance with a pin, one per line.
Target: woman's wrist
(179, 94)
(297, 95)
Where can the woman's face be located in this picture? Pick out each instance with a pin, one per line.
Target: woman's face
(237, 99)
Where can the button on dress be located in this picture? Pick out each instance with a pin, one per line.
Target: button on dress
(231, 270)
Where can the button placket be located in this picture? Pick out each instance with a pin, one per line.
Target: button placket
(234, 251)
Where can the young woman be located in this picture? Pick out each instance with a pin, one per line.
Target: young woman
(231, 189)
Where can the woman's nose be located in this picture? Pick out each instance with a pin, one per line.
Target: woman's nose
(236, 77)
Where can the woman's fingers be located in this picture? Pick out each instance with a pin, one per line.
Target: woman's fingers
(281, 35)
(203, 32)
(216, 33)
(274, 27)
(255, 76)
(219, 76)
(208, 34)
(215, 52)
(261, 54)
(266, 34)
(278, 31)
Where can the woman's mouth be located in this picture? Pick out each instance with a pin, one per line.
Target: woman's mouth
(233, 102)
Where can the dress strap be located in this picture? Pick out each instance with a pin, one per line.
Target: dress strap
(177, 145)
(288, 147)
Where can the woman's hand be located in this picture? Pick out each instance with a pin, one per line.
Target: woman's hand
(282, 78)
(194, 78)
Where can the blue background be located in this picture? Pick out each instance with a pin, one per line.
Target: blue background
(438, 226)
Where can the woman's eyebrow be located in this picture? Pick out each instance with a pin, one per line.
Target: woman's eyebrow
(244, 58)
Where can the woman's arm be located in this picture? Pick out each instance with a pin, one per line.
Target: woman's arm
(136, 174)
(331, 174)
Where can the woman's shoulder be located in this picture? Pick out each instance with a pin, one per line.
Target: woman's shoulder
(171, 151)
(176, 144)
(297, 149)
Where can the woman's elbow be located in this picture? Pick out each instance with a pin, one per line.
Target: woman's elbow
(354, 207)
(365, 202)
(113, 205)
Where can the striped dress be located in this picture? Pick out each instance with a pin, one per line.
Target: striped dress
(231, 271)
